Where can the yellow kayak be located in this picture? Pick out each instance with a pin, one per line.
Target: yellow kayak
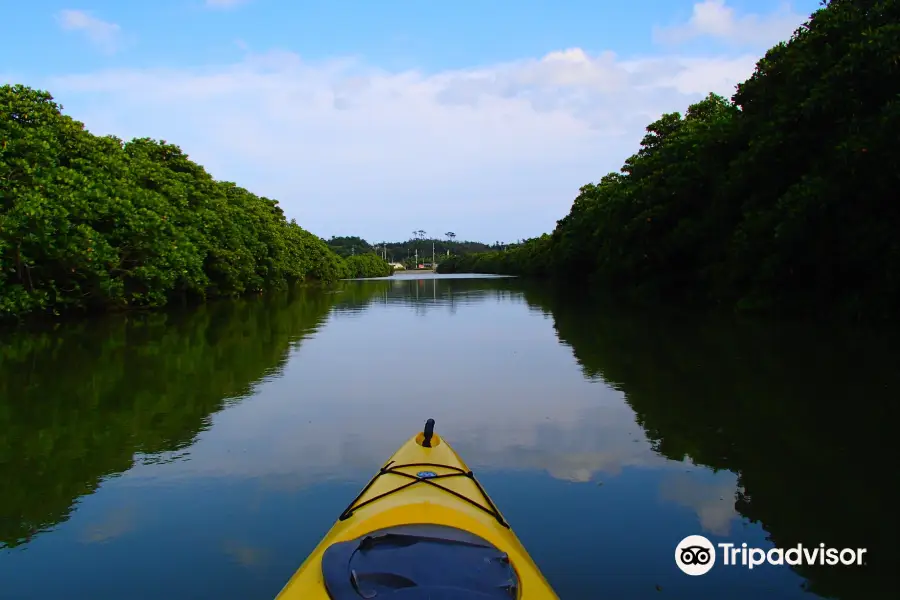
(422, 529)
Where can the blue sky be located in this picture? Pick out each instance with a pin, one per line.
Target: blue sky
(378, 118)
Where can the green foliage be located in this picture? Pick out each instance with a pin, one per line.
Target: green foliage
(782, 200)
(530, 257)
(346, 246)
(368, 265)
(404, 252)
(92, 223)
(360, 257)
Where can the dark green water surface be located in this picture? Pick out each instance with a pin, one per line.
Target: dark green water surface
(203, 453)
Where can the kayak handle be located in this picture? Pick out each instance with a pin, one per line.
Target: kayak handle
(429, 432)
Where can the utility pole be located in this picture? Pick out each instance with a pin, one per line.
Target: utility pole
(432, 255)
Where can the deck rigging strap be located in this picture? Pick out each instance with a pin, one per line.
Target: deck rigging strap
(391, 469)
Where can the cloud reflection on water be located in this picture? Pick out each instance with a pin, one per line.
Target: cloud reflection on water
(358, 388)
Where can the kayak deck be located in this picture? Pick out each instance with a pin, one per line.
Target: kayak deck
(433, 474)
(423, 523)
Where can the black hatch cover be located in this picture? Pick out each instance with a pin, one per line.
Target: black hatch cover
(418, 562)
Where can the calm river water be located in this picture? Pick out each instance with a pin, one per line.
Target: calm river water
(203, 453)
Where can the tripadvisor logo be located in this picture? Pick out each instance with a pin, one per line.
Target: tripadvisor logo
(696, 555)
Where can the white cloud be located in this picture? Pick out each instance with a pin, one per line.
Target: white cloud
(103, 34)
(712, 18)
(495, 152)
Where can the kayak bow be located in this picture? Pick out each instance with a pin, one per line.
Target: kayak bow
(423, 528)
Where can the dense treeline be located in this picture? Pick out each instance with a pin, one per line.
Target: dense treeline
(368, 265)
(405, 252)
(530, 257)
(428, 248)
(349, 245)
(783, 199)
(92, 223)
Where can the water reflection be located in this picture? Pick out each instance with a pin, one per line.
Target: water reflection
(708, 500)
(214, 447)
(803, 414)
(83, 402)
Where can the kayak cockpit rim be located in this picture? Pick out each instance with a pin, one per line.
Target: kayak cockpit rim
(427, 478)
(419, 561)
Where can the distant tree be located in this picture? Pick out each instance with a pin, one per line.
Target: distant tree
(368, 265)
(348, 245)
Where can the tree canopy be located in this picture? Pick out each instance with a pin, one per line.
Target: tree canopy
(94, 223)
(404, 252)
(368, 265)
(782, 199)
(349, 245)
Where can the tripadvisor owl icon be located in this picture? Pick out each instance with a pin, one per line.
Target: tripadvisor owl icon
(695, 555)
